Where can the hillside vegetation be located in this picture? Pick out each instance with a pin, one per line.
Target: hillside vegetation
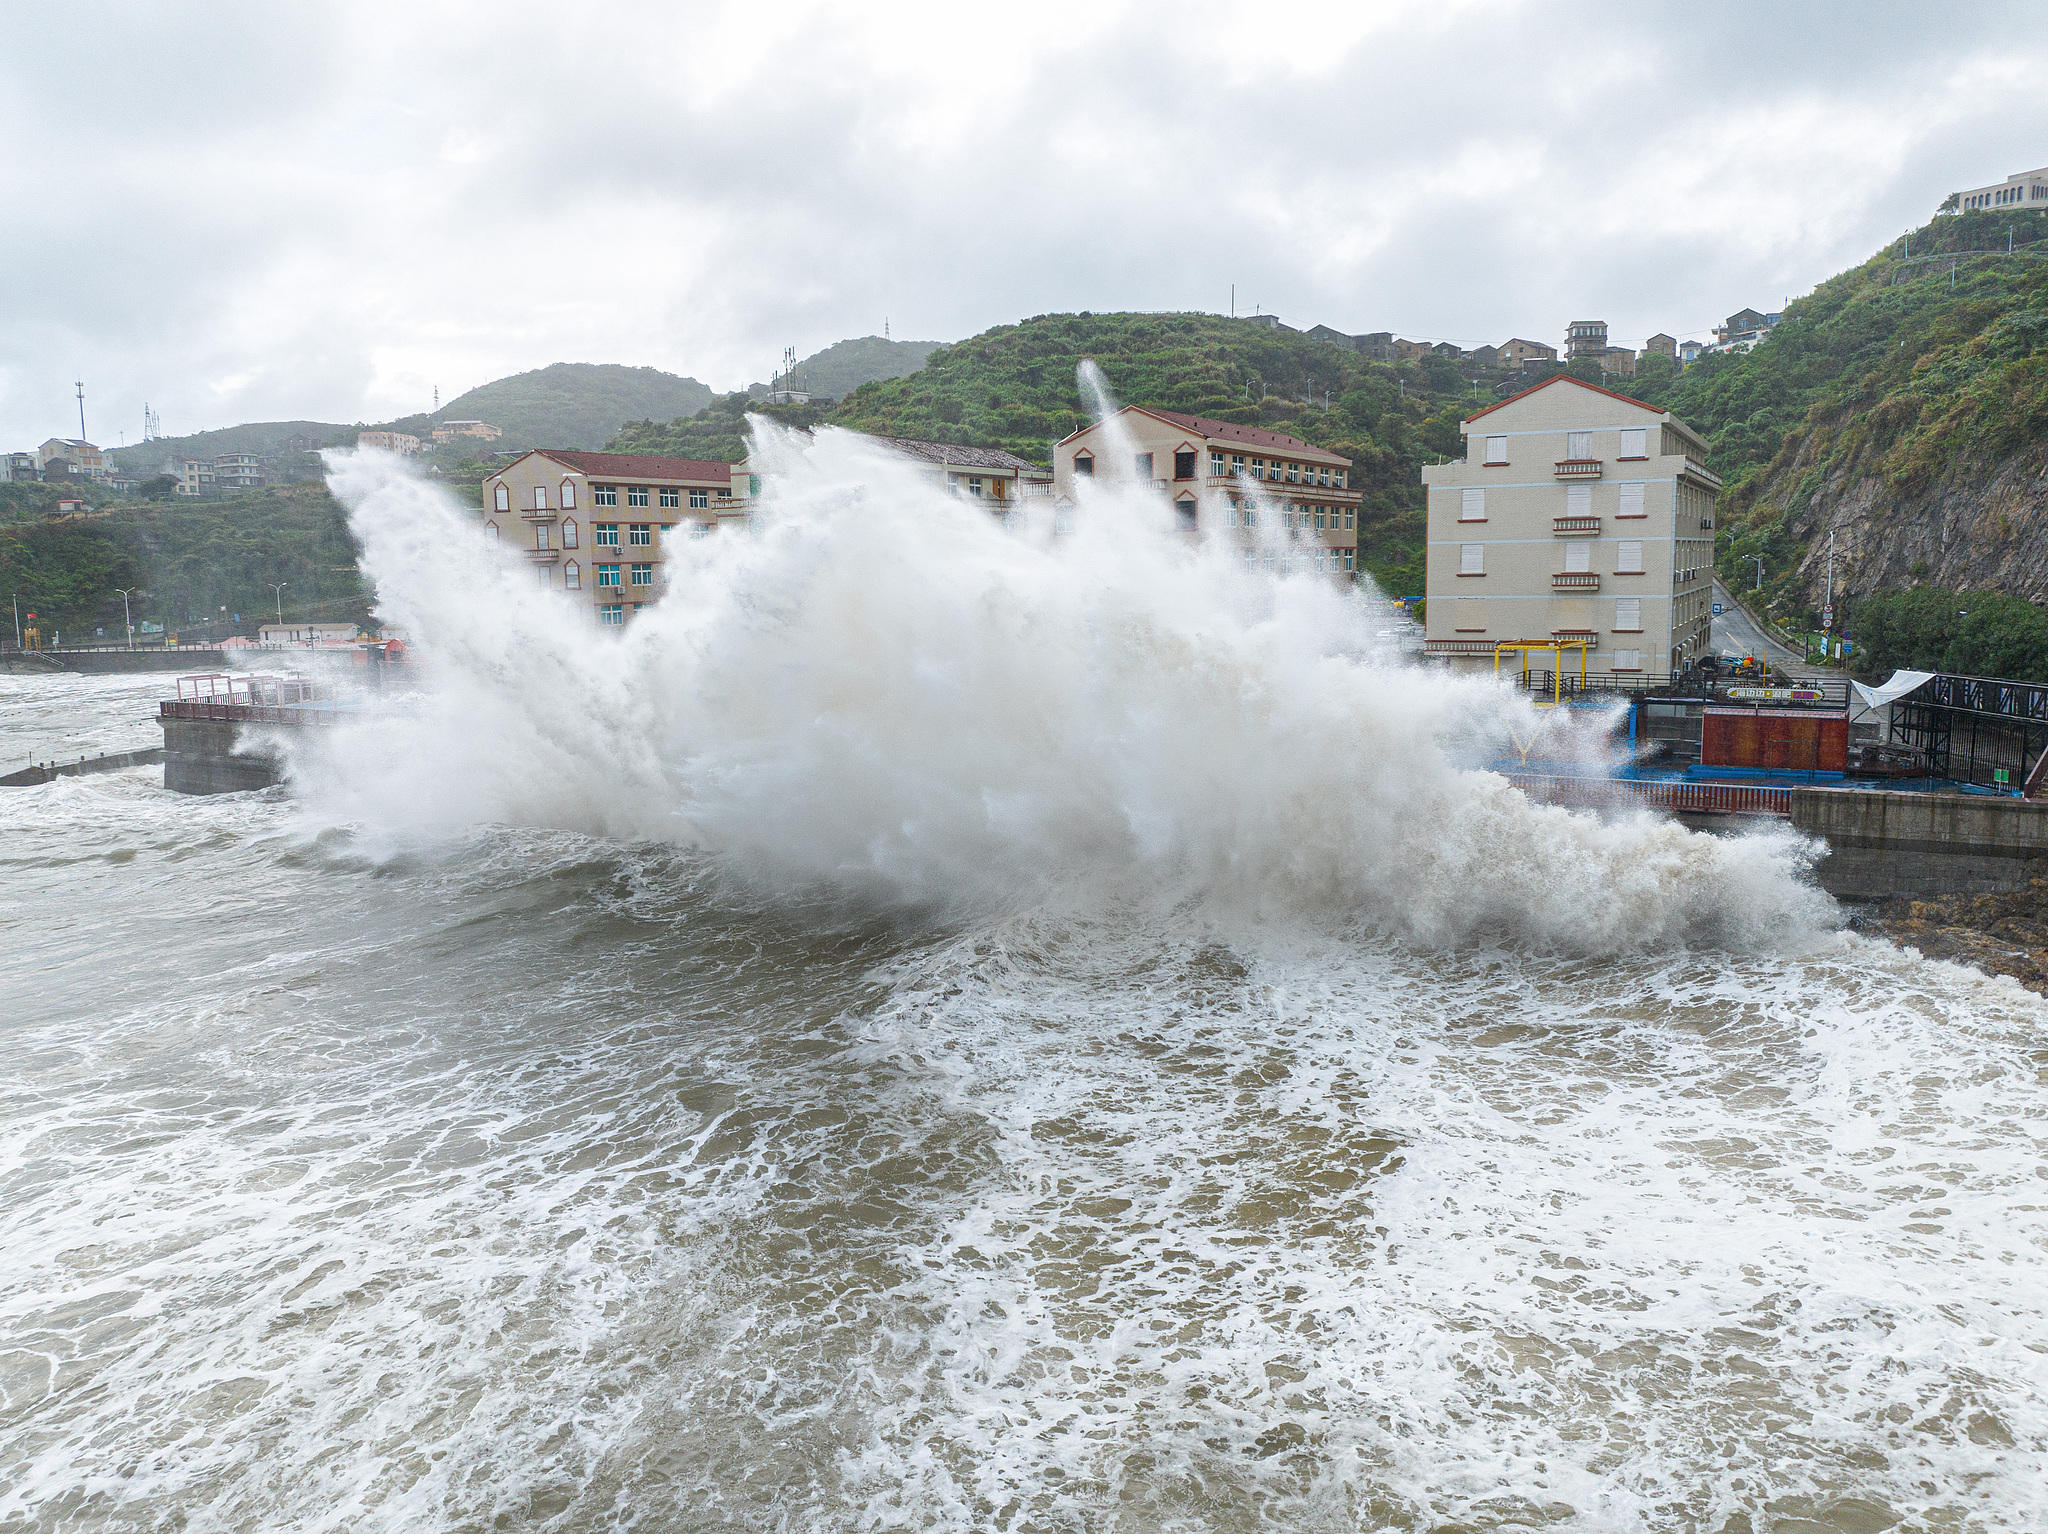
(186, 560)
(1015, 387)
(1902, 405)
(844, 366)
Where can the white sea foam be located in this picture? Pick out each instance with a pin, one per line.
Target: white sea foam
(884, 690)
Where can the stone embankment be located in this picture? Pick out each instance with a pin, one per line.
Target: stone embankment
(2001, 934)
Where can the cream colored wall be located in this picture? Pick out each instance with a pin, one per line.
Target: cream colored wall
(1162, 439)
(519, 529)
(1514, 599)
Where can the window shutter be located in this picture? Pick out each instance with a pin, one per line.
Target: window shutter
(1578, 555)
(1496, 449)
(1473, 506)
(1631, 500)
(1578, 444)
(1578, 500)
(1628, 660)
(1630, 560)
(1470, 615)
(1472, 559)
(1634, 440)
(1628, 615)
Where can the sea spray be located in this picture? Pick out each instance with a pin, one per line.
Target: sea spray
(883, 689)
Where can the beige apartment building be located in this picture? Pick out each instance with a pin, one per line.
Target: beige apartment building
(1577, 515)
(2022, 189)
(1287, 504)
(389, 441)
(1000, 479)
(594, 525)
(483, 431)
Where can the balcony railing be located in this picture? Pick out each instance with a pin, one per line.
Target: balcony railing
(1574, 526)
(1578, 468)
(543, 556)
(1575, 580)
(540, 514)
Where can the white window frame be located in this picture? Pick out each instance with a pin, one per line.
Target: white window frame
(569, 533)
(568, 495)
(572, 577)
(503, 497)
(540, 497)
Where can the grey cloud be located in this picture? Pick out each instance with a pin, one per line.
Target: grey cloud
(313, 250)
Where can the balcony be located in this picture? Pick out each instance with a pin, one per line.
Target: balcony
(1575, 580)
(542, 556)
(1574, 527)
(540, 514)
(1578, 468)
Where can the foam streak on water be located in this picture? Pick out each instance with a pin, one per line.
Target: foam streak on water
(937, 1030)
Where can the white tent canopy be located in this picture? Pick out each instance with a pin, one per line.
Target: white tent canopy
(1901, 683)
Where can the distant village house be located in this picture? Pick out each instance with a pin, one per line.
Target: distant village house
(451, 431)
(389, 441)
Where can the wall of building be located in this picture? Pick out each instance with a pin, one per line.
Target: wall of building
(1653, 500)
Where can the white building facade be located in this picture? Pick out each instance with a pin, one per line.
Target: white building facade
(1578, 516)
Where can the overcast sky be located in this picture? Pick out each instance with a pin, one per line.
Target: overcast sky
(258, 211)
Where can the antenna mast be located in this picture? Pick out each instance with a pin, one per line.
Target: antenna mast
(81, 411)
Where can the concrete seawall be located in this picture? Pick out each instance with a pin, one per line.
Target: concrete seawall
(1923, 844)
(199, 758)
(29, 776)
(113, 662)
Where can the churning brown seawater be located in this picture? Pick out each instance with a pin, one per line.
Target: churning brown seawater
(368, 1167)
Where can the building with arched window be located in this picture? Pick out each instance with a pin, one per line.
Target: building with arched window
(1289, 503)
(617, 508)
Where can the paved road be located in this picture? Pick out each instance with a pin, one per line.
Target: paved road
(1736, 633)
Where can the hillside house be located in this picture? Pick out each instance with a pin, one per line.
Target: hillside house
(1287, 505)
(594, 525)
(1579, 515)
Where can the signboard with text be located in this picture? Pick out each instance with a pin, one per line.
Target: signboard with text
(1777, 694)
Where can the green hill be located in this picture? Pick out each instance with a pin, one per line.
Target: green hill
(570, 404)
(1015, 387)
(844, 366)
(186, 560)
(1903, 406)
(260, 437)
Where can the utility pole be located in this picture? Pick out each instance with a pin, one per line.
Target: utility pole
(1827, 610)
(1233, 300)
(127, 621)
(17, 620)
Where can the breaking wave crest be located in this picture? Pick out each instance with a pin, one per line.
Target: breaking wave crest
(885, 691)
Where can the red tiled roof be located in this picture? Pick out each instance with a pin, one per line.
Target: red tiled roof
(1558, 378)
(1252, 436)
(639, 466)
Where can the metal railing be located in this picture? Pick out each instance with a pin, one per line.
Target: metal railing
(1654, 793)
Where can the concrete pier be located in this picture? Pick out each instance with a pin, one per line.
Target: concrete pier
(201, 757)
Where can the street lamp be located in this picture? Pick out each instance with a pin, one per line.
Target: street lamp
(1753, 559)
(128, 622)
(277, 587)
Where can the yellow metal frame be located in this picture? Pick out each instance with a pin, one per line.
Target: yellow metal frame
(1556, 647)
